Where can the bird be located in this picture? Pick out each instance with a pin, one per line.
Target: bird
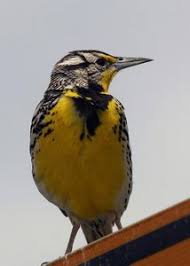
(79, 143)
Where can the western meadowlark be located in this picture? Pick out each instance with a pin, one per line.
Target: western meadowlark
(81, 157)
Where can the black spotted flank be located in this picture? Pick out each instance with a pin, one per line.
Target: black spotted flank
(49, 131)
(114, 129)
(50, 99)
(41, 125)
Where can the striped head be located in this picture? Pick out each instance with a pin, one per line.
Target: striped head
(85, 68)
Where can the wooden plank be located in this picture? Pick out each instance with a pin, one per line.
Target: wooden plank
(127, 235)
(177, 255)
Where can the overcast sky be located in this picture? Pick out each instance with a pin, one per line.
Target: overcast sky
(156, 95)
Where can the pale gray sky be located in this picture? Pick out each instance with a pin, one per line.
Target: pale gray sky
(34, 35)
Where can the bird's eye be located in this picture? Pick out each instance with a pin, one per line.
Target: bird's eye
(101, 61)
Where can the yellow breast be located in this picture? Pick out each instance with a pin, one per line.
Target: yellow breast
(82, 175)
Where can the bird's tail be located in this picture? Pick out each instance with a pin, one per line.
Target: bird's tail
(94, 230)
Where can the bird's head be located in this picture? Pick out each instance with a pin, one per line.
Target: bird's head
(90, 67)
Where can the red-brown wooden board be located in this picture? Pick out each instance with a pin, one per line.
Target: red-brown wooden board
(162, 239)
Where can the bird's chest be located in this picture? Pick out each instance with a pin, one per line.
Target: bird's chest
(75, 125)
(78, 157)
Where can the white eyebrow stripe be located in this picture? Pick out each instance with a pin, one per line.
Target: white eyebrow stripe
(71, 61)
(91, 58)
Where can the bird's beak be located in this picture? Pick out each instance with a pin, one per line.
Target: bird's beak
(124, 62)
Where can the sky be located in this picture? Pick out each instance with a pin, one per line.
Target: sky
(34, 35)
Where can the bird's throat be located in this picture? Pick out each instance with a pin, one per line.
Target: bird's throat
(106, 78)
